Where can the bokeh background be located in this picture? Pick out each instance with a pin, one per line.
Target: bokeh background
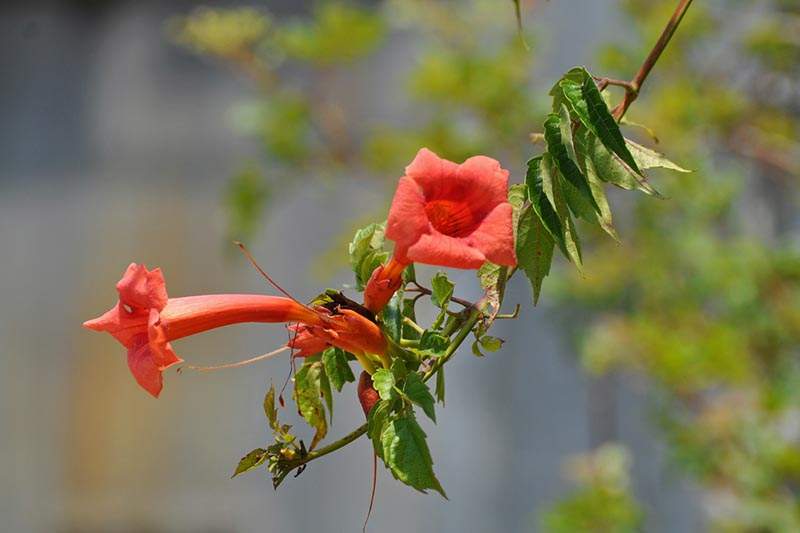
(656, 392)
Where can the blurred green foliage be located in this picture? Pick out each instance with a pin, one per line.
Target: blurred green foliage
(702, 299)
(601, 501)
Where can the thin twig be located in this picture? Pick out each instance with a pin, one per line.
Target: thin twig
(651, 59)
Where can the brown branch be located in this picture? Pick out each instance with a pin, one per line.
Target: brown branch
(632, 89)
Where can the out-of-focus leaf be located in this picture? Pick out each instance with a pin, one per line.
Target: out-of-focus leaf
(247, 194)
(648, 158)
(442, 290)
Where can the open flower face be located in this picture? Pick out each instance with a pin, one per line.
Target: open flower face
(452, 215)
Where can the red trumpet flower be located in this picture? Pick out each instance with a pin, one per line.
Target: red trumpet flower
(452, 215)
(145, 320)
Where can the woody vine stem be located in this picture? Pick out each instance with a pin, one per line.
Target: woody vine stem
(476, 311)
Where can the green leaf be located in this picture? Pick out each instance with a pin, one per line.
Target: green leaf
(602, 124)
(552, 190)
(269, 409)
(406, 454)
(417, 391)
(337, 367)
(366, 252)
(433, 344)
(604, 218)
(327, 394)
(648, 158)
(491, 344)
(252, 460)
(442, 290)
(612, 169)
(376, 421)
(541, 204)
(384, 382)
(576, 188)
(534, 248)
(440, 385)
(392, 318)
(308, 397)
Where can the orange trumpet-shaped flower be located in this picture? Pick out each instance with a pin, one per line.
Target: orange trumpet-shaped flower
(345, 329)
(382, 284)
(145, 320)
(452, 215)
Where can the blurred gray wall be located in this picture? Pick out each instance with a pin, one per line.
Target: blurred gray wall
(114, 147)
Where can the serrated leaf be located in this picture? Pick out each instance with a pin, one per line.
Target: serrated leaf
(432, 344)
(308, 397)
(406, 454)
(366, 252)
(576, 189)
(417, 391)
(603, 125)
(552, 189)
(542, 205)
(604, 218)
(252, 460)
(441, 290)
(648, 158)
(612, 169)
(534, 247)
(376, 420)
(337, 367)
(383, 382)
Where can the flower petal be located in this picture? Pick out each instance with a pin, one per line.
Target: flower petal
(438, 249)
(163, 354)
(143, 368)
(142, 288)
(429, 166)
(407, 218)
(495, 236)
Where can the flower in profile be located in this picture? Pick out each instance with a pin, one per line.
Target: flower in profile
(145, 320)
(452, 215)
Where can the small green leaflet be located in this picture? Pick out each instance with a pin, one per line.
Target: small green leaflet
(552, 190)
(612, 169)
(417, 391)
(491, 344)
(603, 218)
(442, 290)
(383, 381)
(252, 460)
(269, 409)
(534, 250)
(337, 368)
(647, 158)
(406, 454)
(392, 317)
(366, 252)
(308, 390)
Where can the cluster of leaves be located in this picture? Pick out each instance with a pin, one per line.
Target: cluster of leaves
(702, 301)
(585, 150)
